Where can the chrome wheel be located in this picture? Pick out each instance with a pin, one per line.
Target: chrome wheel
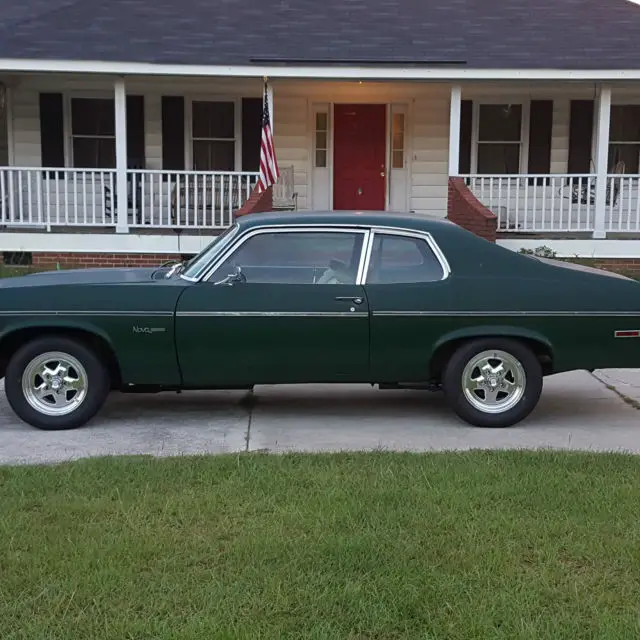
(493, 381)
(54, 383)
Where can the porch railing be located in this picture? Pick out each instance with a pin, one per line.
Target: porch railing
(623, 198)
(538, 202)
(57, 197)
(36, 197)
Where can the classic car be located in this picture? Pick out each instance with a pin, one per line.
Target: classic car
(394, 300)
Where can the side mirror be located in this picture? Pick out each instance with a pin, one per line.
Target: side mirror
(235, 277)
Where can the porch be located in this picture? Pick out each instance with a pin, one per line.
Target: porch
(87, 155)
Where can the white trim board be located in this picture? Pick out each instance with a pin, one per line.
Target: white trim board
(174, 243)
(103, 243)
(588, 248)
(303, 71)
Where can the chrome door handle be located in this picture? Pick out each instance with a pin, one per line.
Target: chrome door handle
(355, 300)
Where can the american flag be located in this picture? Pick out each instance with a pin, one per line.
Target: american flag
(269, 171)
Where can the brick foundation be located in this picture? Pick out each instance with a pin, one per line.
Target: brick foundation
(83, 260)
(626, 266)
(467, 211)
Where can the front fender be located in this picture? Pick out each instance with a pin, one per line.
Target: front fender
(55, 323)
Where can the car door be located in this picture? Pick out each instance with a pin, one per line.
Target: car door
(283, 305)
(407, 288)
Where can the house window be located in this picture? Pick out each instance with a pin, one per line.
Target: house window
(499, 138)
(93, 133)
(624, 139)
(397, 141)
(321, 142)
(213, 136)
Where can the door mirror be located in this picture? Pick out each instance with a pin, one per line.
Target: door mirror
(235, 277)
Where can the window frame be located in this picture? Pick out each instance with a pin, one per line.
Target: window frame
(406, 233)
(523, 160)
(612, 142)
(244, 237)
(315, 131)
(67, 125)
(237, 124)
(367, 245)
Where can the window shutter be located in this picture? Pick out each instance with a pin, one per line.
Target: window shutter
(51, 130)
(173, 133)
(540, 126)
(251, 133)
(135, 132)
(466, 123)
(580, 136)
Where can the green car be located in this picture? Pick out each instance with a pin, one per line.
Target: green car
(396, 300)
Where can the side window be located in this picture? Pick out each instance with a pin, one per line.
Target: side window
(402, 260)
(296, 257)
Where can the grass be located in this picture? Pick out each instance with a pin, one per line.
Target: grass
(465, 546)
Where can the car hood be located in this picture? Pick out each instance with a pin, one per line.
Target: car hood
(85, 276)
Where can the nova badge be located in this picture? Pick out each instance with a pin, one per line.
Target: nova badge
(137, 329)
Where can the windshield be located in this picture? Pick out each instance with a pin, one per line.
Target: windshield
(198, 264)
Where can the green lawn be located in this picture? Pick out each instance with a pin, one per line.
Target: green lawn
(365, 546)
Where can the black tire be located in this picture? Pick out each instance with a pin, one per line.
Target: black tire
(522, 403)
(97, 384)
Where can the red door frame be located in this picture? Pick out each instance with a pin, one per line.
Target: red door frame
(333, 106)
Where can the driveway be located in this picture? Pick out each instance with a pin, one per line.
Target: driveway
(578, 410)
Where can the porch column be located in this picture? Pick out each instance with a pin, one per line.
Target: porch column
(602, 160)
(122, 209)
(454, 130)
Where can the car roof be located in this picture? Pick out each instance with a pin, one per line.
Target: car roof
(401, 220)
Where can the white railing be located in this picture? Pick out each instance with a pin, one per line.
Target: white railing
(537, 202)
(187, 199)
(55, 197)
(622, 212)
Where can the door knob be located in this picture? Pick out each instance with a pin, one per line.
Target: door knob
(354, 299)
(359, 191)
(382, 174)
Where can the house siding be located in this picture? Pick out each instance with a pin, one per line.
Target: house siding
(291, 138)
(430, 152)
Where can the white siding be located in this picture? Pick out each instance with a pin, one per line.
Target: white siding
(25, 111)
(292, 140)
(430, 152)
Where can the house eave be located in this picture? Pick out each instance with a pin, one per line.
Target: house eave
(440, 72)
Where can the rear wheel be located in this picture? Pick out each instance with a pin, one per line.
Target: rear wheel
(493, 382)
(55, 383)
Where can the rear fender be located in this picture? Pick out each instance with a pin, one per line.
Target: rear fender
(492, 330)
(445, 346)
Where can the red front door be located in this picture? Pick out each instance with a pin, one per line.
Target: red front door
(359, 166)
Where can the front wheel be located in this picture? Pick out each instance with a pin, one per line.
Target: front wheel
(55, 383)
(493, 382)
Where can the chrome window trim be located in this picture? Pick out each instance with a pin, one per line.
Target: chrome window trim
(293, 228)
(368, 229)
(233, 230)
(425, 236)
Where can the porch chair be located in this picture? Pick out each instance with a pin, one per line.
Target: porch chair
(582, 194)
(284, 196)
(133, 204)
(203, 200)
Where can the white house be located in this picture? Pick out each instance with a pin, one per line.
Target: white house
(129, 132)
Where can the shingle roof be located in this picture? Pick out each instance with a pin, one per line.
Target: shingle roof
(490, 34)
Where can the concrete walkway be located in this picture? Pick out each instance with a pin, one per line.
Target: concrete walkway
(577, 411)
